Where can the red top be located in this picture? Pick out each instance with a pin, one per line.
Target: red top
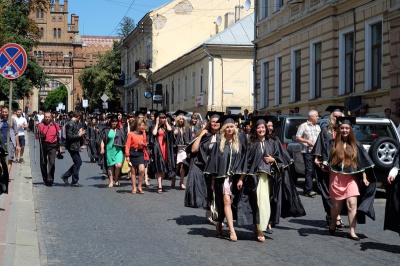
(50, 132)
(133, 140)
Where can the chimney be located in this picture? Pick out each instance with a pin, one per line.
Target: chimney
(229, 19)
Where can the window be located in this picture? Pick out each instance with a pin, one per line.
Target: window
(264, 83)
(315, 69)
(41, 33)
(54, 33)
(278, 79)
(193, 83)
(35, 53)
(37, 13)
(346, 62)
(295, 79)
(70, 54)
(373, 54)
(201, 81)
(185, 89)
(179, 90)
(53, 19)
(59, 33)
(278, 4)
(264, 9)
(60, 19)
(172, 92)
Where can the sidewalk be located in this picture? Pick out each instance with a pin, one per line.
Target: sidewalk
(18, 234)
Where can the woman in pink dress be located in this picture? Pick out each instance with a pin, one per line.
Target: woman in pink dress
(348, 163)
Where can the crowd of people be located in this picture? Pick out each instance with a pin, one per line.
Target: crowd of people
(234, 167)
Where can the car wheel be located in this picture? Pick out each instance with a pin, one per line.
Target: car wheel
(382, 152)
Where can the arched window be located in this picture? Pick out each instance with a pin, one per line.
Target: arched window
(54, 33)
(59, 33)
(37, 13)
(40, 53)
(70, 54)
(35, 53)
(41, 32)
(41, 14)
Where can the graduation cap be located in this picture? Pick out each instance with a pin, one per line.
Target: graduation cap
(258, 120)
(335, 108)
(140, 112)
(158, 113)
(348, 120)
(226, 119)
(213, 114)
(113, 118)
(180, 112)
(143, 110)
(130, 115)
(153, 110)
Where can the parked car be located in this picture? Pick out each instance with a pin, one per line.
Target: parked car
(286, 128)
(378, 136)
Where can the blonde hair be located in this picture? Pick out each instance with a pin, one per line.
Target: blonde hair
(235, 139)
(184, 122)
(332, 124)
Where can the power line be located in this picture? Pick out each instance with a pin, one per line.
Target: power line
(122, 18)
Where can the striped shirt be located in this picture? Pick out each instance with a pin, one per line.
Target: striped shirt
(308, 131)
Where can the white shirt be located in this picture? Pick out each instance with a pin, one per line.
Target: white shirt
(40, 118)
(21, 122)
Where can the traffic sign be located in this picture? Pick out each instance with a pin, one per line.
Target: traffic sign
(13, 61)
(85, 103)
(147, 94)
(157, 97)
(105, 105)
(104, 97)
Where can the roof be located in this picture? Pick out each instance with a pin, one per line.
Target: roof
(239, 33)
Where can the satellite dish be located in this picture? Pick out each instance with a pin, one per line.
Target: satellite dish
(247, 5)
(218, 21)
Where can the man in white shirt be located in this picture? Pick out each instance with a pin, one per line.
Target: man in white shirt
(22, 124)
(39, 117)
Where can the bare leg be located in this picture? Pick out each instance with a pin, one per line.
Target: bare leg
(111, 176)
(133, 179)
(182, 175)
(146, 177)
(140, 177)
(352, 210)
(335, 211)
(229, 217)
(117, 171)
(159, 177)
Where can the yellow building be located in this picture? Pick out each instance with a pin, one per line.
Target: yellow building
(166, 33)
(315, 53)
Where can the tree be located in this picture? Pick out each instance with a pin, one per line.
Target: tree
(17, 27)
(99, 79)
(126, 26)
(59, 95)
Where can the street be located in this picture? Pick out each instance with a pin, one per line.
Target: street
(96, 225)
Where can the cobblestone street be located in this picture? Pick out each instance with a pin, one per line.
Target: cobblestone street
(96, 225)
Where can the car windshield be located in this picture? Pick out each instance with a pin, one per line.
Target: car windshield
(368, 133)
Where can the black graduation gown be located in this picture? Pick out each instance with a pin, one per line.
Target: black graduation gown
(365, 202)
(221, 165)
(4, 175)
(198, 191)
(392, 210)
(93, 133)
(160, 166)
(191, 132)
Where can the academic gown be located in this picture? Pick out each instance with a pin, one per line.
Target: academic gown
(392, 210)
(92, 136)
(222, 165)
(160, 166)
(365, 202)
(4, 175)
(198, 191)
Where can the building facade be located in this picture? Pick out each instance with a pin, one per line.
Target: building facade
(63, 54)
(315, 53)
(163, 35)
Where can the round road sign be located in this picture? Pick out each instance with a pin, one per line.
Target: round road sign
(13, 61)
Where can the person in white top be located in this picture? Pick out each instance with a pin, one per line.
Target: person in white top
(39, 117)
(22, 124)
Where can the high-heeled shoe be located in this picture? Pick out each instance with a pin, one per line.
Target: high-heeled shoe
(232, 236)
(339, 223)
(218, 229)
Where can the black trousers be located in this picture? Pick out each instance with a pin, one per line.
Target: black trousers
(47, 161)
(309, 172)
(74, 169)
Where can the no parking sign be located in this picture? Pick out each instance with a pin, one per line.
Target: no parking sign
(13, 61)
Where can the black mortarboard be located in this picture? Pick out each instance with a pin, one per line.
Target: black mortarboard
(349, 120)
(137, 113)
(159, 113)
(153, 110)
(114, 118)
(130, 115)
(257, 120)
(213, 114)
(226, 119)
(143, 110)
(335, 108)
(180, 112)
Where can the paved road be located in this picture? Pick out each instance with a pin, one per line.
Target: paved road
(96, 225)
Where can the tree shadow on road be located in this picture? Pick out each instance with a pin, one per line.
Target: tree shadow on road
(380, 246)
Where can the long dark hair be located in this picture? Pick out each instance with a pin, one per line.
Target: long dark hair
(340, 154)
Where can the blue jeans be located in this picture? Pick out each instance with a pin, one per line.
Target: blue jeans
(308, 172)
(74, 169)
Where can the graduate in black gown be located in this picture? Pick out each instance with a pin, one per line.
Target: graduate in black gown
(92, 135)
(322, 178)
(226, 163)
(392, 210)
(198, 192)
(351, 177)
(181, 140)
(163, 152)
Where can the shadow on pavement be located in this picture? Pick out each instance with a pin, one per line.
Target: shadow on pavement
(54, 184)
(380, 246)
(314, 223)
(190, 220)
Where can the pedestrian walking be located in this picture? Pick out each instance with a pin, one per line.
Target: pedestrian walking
(22, 125)
(74, 139)
(181, 140)
(49, 145)
(5, 125)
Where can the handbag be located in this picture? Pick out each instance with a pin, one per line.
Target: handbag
(213, 208)
(125, 167)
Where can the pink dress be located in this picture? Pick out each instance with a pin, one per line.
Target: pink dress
(342, 186)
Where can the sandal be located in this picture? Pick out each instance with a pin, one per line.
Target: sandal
(339, 223)
(183, 187)
(117, 184)
(140, 191)
(133, 191)
(110, 185)
(232, 236)
(159, 191)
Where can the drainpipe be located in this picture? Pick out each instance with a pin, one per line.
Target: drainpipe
(255, 57)
(354, 50)
(212, 76)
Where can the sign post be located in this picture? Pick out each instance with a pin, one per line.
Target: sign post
(85, 104)
(104, 98)
(13, 62)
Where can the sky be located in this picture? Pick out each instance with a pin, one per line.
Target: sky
(102, 17)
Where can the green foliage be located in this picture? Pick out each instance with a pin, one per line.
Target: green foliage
(59, 95)
(99, 79)
(17, 27)
(126, 26)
